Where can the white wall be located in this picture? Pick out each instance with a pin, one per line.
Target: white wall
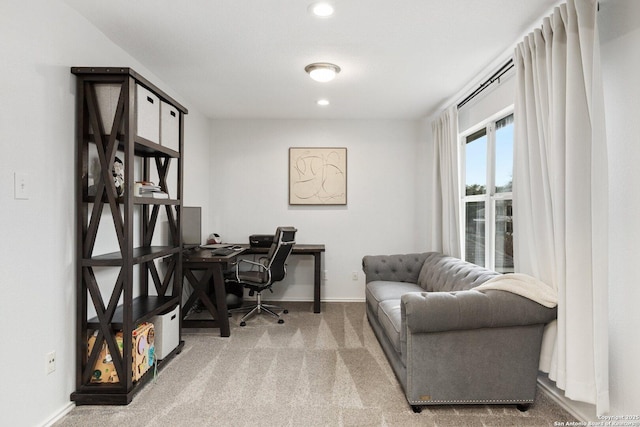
(39, 41)
(619, 22)
(250, 194)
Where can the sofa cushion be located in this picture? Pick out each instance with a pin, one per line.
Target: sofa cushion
(441, 273)
(390, 319)
(381, 290)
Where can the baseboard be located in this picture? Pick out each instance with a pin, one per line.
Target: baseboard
(583, 412)
(58, 415)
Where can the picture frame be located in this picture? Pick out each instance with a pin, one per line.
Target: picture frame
(317, 176)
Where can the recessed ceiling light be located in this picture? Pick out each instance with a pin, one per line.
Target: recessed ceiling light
(322, 102)
(321, 9)
(322, 71)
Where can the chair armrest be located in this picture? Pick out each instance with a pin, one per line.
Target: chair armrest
(252, 263)
(393, 268)
(463, 310)
(246, 261)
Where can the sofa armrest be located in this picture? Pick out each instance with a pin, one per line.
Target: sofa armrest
(393, 268)
(463, 310)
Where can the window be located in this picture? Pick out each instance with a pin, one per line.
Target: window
(488, 177)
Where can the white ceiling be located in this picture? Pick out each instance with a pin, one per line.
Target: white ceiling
(245, 58)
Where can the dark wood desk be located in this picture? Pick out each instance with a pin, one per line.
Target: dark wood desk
(214, 267)
(314, 250)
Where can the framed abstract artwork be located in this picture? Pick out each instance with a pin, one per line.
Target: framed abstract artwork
(317, 176)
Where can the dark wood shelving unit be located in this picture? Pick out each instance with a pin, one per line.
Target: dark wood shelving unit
(116, 117)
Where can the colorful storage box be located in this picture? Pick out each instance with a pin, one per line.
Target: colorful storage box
(143, 349)
(104, 371)
(143, 355)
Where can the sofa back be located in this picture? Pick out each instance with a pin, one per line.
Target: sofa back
(396, 268)
(442, 273)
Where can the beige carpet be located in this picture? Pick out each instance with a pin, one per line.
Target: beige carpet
(314, 370)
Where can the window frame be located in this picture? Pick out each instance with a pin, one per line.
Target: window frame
(490, 197)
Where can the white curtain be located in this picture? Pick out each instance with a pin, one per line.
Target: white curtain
(447, 198)
(560, 193)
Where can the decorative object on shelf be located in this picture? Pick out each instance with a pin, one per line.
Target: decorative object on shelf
(118, 176)
(317, 176)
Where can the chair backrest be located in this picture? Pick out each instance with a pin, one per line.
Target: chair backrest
(281, 247)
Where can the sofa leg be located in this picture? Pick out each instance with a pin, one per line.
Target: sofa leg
(523, 407)
(416, 408)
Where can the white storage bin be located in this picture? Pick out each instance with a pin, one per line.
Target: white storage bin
(167, 328)
(169, 126)
(148, 114)
(107, 95)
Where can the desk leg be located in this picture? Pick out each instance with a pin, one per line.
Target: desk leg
(213, 272)
(317, 268)
(221, 300)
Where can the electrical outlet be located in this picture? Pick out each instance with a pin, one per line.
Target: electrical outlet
(324, 275)
(50, 362)
(354, 275)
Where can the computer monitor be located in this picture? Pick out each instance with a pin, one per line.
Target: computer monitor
(191, 225)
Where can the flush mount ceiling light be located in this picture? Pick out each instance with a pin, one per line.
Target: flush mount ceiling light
(322, 102)
(321, 9)
(322, 71)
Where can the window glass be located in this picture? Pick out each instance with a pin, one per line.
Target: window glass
(503, 251)
(476, 163)
(504, 155)
(475, 232)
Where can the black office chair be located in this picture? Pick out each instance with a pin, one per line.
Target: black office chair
(265, 273)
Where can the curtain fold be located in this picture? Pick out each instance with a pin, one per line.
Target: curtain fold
(447, 198)
(560, 193)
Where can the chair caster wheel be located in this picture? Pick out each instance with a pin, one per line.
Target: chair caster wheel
(243, 323)
(416, 408)
(280, 321)
(523, 407)
(286, 311)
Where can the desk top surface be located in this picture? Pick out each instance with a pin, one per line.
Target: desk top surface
(205, 255)
(297, 248)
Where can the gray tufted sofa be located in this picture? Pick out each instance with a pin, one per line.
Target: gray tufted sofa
(447, 343)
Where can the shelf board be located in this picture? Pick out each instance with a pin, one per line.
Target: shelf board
(137, 200)
(143, 308)
(142, 147)
(140, 255)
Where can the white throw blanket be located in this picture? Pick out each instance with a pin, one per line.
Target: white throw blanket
(523, 285)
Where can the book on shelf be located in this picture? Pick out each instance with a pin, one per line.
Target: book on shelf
(149, 189)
